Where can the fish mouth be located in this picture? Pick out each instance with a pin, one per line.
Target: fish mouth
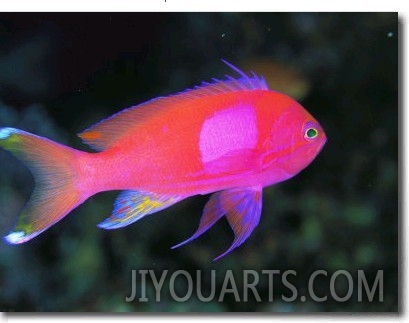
(322, 144)
(314, 151)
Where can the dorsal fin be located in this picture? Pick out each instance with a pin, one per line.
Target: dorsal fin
(106, 133)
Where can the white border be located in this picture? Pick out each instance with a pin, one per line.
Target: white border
(233, 318)
(200, 5)
(231, 5)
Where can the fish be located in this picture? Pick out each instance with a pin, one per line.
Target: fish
(229, 138)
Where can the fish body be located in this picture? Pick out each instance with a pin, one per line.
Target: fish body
(212, 143)
(231, 137)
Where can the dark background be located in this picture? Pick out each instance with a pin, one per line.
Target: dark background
(61, 73)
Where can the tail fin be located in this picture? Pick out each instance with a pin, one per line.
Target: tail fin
(55, 193)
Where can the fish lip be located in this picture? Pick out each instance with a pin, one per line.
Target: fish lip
(323, 142)
(319, 147)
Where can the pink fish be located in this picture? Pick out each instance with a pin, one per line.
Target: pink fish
(232, 137)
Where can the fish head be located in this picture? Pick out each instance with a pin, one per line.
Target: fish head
(295, 139)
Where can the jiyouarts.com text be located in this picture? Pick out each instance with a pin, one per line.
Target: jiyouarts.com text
(211, 285)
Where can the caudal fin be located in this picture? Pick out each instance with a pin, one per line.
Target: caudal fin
(55, 193)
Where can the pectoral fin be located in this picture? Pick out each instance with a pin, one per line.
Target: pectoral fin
(241, 161)
(242, 208)
(131, 206)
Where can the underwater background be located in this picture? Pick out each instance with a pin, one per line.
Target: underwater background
(61, 73)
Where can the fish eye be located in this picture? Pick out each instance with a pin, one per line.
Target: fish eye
(311, 133)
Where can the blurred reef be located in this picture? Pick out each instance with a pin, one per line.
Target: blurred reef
(61, 73)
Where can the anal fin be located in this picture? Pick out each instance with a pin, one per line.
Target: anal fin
(131, 206)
